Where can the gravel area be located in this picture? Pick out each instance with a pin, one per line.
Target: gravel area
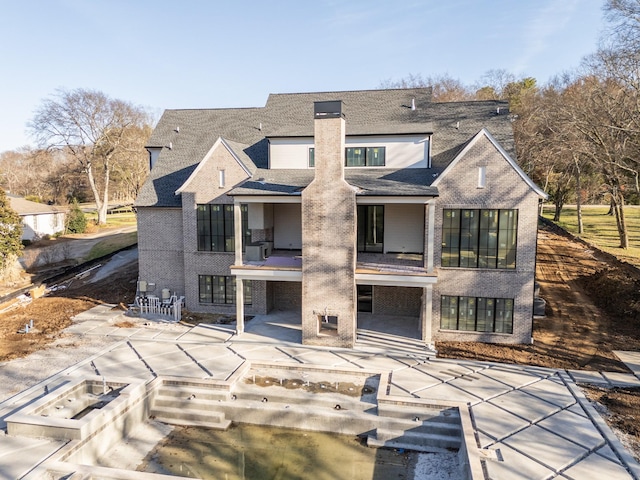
(22, 373)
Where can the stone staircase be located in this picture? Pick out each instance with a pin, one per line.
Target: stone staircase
(389, 343)
(424, 430)
(190, 404)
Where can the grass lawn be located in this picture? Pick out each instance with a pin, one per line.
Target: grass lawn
(600, 229)
(111, 244)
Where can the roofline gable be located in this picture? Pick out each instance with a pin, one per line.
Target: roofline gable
(485, 133)
(218, 142)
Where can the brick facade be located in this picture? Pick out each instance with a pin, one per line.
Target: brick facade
(504, 189)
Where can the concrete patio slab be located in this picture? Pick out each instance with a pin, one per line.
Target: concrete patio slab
(525, 406)
(573, 427)
(595, 466)
(207, 334)
(609, 454)
(19, 454)
(513, 376)
(480, 385)
(588, 378)
(552, 450)
(516, 466)
(552, 390)
(622, 379)
(253, 351)
(84, 327)
(319, 357)
(445, 391)
(495, 422)
(412, 380)
(630, 359)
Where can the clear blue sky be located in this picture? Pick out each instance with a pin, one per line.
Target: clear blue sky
(207, 53)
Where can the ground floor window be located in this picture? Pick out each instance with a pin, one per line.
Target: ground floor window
(221, 289)
(476, 314)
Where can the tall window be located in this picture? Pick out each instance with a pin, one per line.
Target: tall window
(370, 228)
(476, 314)
(221, 289)
(365, 157)
(476, 238)
(216, 228)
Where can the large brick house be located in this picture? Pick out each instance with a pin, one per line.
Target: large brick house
(342, 206)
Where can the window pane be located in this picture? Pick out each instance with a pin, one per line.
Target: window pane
(230, 289)
(204, 290)
(488, 249)
(246, 231)
(375, 156)
(469, 229)
(218, 289)
(467, 313)
(229, 233)
(504, 315)
(312, 158)
(450, 238)
(507, 241)
(449, 313)
(247, 292)
(204, 228)
(355, 157)
(485, 312)
(370, 228)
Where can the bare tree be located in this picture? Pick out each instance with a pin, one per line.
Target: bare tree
(93, 129)
(445, 88)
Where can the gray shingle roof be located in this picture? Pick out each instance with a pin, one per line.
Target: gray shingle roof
(192, 133)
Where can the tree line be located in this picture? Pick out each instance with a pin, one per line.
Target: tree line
(578, 136)
(90, 149)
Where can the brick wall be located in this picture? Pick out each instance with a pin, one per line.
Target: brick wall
(329, 241)
(160, 258)
(404, 301)
(504, 189)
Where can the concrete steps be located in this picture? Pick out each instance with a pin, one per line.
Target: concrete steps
(191, 405)
(391, 343)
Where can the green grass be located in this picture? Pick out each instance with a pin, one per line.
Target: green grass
(114, 219)
(600, 229)
(112, 244)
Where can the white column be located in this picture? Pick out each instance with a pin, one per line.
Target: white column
(237, 232)
(239, 306)
(427, 314)
(431, 228)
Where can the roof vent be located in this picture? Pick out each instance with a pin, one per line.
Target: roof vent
(170, 146)
(260, 126)
(330, 109)
(413, 104)
(177, 129)
(498, 111)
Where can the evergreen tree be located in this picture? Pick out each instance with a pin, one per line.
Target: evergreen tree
(76, 220)
(10, 233)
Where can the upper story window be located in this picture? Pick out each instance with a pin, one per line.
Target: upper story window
(358, 157)
(215, 225)
(479, 238)
(365, 157)
(370, 228)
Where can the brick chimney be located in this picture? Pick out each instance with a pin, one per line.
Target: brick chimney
(329, 238)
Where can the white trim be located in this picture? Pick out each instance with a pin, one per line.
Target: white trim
(395, 280)
(259, 273)
(267, 198)
(218, 142)
(383, 199)
(484, 132)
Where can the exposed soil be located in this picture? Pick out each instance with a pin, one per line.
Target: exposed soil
(52, 314)
(620, 407)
